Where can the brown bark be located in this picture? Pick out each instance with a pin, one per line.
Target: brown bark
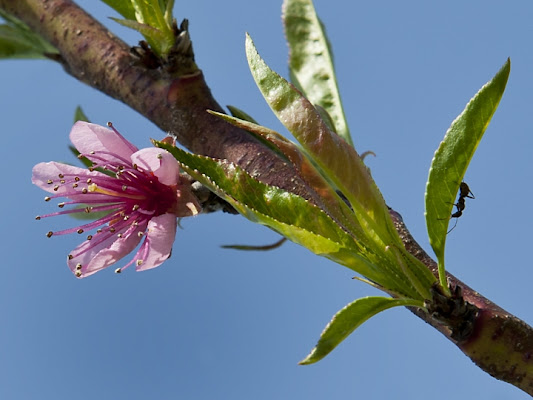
(176, 98)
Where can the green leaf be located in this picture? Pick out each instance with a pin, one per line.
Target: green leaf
(123, 7)
(350, 318)
(326, 197)
(339, 161)
(79, 115)
(234, 184)
(152, 18)
(294, 217)
(238, 113)
(157, 39)
(311, 61)
(18, 41)
(452, 158)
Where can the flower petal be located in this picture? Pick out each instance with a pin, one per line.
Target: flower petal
(160, 162)
(159, 241)
(43, 173)
(94, 258)
(88, 137)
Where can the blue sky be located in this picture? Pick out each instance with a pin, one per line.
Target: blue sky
(220, 324)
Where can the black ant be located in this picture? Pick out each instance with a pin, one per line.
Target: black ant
(464, 192)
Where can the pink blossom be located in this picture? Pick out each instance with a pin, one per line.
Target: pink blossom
(138, 195)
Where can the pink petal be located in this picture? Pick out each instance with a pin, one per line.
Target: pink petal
(159, 241)
(94, 258)
(88, 137)
(43, 172)
(160, 162)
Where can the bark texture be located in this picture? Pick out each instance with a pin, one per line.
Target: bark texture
(175, 97)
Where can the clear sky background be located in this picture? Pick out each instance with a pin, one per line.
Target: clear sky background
(221, 324)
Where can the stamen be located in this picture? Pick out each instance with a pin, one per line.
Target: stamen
(37, 217)
(56, 187)
(89, 237)
(89, 181)
(118, 271)
(77, 178)
(49, 181)
(139, 262)
(62, 181)
(61, 205)
(88, 209)
(61, 176)
(140, 234)
(49, 234)
(124, 188)
(47, 198)
(119, 235)
(78, 267)
(159, 156)
(70, 256)
(78, 274)
(80, 231)
(74, 185)
(84, 190)
(136, 207)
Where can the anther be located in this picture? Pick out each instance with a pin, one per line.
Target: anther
(84, 190)
(124, 188)
(49, 181)
(159, 156)
(140, 234)
(80, 231)
(62, 181)
(139, 262)
(61, 176)
(88, 209)
(70, 256)
(89, 181)
(47, 198)
(118, 271)
(78, 267)
(38, 217)
(74, 185)
(78, 274)
(61, 205)
(49, 234)
(119, 235)
(56, 187)
(112, 230)
(136, 207)
(77, 178)
(89, 237)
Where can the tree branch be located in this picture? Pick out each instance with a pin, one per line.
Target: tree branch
(176, 98)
